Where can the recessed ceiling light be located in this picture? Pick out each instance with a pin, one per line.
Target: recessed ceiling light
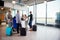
(13, 2)
(45, 1)
(28, 6)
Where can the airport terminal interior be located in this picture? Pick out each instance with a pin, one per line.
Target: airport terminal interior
(46, 18)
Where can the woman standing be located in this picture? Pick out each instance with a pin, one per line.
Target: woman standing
(9, 18)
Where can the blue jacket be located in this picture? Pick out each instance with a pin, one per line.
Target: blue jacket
(14, 23)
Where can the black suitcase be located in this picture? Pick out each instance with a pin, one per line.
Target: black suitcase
(23, 31)
(34, 28)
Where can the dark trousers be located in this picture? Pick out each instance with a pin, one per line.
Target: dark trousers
(18, 27)
(30, 24)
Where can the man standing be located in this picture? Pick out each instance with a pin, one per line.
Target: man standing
(30, 21)
(18, 21)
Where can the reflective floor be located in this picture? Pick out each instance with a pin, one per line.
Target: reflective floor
(42, 33)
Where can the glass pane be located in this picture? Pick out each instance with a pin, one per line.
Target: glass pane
(41, 12)
(13, 13)
(25, 12)
(52, 9)
(31, 9)
(20, 13)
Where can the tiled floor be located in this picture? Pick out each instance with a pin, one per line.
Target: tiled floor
(42, 33)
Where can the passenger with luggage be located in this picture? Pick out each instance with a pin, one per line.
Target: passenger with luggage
(18, 21)
(24, 25)
(30, 20)
(9, 25)
(9, 18)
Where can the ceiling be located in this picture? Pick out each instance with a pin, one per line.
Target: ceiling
(27, 2)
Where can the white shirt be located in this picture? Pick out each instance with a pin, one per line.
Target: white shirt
(18, 18)
(24, 23)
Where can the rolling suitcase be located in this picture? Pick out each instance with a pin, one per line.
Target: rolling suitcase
(23, 31)
(23, 28)
(34, 28)
(8, 31)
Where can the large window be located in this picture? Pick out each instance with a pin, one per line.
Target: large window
(41, 12)
(14, 12)
(48, 10)
(20, 11)
(52, 9)
(31, 9)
